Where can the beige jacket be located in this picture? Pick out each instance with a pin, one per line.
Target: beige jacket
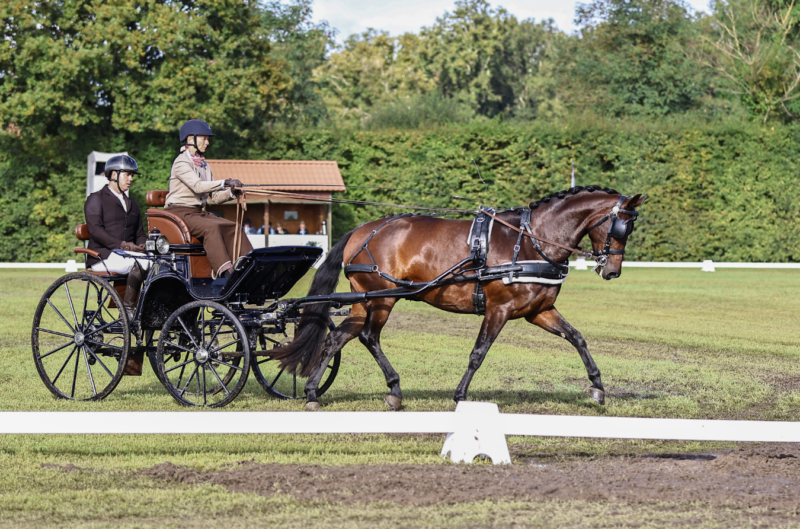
(193, 186)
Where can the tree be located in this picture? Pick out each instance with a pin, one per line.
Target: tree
(136, 65)
(370, 69)
(630, 58)
(488, 59)
(302, 46)
(483, 60)
(754, 45)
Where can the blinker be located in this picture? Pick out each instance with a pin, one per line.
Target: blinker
(620, 228)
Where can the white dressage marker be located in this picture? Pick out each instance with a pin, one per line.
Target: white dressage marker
(479, 432)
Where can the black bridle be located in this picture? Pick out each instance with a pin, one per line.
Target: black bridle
(619, 229)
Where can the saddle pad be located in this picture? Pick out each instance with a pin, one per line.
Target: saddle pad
(535, 271)
(483, 233)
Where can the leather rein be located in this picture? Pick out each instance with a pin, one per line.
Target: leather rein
(601, 255)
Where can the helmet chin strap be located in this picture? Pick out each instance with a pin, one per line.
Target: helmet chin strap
(194, 136)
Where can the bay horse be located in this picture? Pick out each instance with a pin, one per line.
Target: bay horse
(420, 248)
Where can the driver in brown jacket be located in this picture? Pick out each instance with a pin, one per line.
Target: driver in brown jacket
(191, 186)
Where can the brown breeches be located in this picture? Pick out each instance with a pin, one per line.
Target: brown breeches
(216, 234)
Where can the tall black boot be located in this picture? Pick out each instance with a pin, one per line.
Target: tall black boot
(134, 285)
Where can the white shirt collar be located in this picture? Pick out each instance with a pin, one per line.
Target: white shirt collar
(121, 197)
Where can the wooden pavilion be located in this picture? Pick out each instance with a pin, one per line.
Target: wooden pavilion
(314, 180)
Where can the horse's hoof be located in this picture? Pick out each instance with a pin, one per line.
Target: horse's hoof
(393, 402)
(598, 395)
(313, 406)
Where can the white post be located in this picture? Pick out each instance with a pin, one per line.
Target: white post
(580, 264)
(478, 432)
(708, 266)
(72, 266)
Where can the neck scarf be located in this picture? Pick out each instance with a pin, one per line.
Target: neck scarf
(198, 159)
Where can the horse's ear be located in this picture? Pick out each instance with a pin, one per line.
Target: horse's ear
(636, 201)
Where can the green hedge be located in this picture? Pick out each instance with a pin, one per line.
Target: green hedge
(717, 191)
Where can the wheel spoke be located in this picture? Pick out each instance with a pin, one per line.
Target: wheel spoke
(99, 310)
(219, 379)
(216, 332)
(186, 330)
(75, 373)
(104, 327)
(97, 358)
(56, 350)
(203, 326)
(277, 377)
(204, 386)
(200, 366)
(71, 305)
(60, 316)
(101, 344)
(111, 316)
(227, 364)
(89, 370)
(224, 346)
(183, 369)
(55, 332)
(183, 389)
(179, 365)
(182, 348)
(65, 364)
(85, 302)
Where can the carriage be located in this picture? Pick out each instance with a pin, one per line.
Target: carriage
(212, 333)
(202, 336)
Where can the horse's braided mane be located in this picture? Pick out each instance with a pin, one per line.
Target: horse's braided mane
(571, 191)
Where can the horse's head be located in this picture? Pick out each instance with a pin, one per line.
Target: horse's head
(609, 234)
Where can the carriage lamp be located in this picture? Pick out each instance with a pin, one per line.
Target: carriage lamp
(162, 245)
(156, 242)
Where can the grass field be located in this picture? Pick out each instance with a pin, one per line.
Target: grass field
(670, 343)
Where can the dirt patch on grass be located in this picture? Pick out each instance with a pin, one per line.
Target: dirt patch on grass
(767, 476)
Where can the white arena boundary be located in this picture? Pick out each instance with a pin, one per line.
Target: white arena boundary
(475, 428)
(578, 264)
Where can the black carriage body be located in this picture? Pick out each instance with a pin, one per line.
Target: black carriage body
(265, 274)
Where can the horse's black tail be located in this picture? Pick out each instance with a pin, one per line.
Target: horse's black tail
(306, 346)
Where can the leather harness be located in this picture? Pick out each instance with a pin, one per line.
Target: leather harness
(546, 271)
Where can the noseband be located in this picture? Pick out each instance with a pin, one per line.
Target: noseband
(619, 229)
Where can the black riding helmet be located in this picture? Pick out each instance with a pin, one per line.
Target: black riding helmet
(121, 162)
(195, 127)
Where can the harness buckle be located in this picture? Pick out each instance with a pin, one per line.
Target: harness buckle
(516, 248)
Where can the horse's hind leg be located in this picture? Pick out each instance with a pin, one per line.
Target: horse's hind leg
(552, 321)
(334, 343)
(493, 323)
(378, 312)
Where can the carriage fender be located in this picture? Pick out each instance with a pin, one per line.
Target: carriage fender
(162, 297)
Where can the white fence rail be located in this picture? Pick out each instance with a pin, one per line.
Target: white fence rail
(578, 264)
(705, 266)
(475, 428)
(69, 266)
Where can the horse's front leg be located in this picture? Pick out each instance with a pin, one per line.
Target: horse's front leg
(552, 321)
(493, 323)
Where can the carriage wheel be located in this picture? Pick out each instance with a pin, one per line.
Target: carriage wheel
(80, 345)
(203, 355)
(284, 385)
